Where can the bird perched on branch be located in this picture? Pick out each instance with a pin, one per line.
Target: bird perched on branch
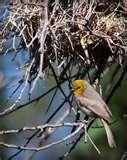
(91, 103)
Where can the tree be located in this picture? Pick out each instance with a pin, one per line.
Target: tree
(66, 40)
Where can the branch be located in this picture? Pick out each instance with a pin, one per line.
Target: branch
(11, 110)
(81, 126)
(39, 127)
(118, 83)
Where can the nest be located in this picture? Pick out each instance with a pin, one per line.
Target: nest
(71, 39)
(80, 34)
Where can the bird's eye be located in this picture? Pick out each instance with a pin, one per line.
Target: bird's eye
(78, 87)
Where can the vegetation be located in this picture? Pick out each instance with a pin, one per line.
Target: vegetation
(63, 41)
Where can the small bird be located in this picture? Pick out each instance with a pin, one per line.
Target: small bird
(91, 103)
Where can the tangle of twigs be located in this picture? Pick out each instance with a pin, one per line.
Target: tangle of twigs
(76, 39)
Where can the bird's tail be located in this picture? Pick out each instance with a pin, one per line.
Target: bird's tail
(110, 137)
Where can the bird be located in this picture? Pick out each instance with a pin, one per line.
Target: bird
(91, 103)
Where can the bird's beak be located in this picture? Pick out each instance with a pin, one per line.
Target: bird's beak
(72, 89)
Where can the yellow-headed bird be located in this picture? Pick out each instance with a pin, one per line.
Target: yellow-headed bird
(91, 103)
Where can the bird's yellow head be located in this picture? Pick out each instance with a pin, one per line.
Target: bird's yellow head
(78, 87)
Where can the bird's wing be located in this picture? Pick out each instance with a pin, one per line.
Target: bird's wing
(96, 108)
(91, 93)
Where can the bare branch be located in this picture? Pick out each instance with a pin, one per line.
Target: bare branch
(81, 126)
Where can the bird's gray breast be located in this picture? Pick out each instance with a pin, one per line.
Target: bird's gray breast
(84, 108)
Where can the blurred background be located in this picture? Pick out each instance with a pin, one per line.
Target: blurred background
(35, 113)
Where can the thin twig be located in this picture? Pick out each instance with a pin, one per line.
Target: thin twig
(46, 146)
